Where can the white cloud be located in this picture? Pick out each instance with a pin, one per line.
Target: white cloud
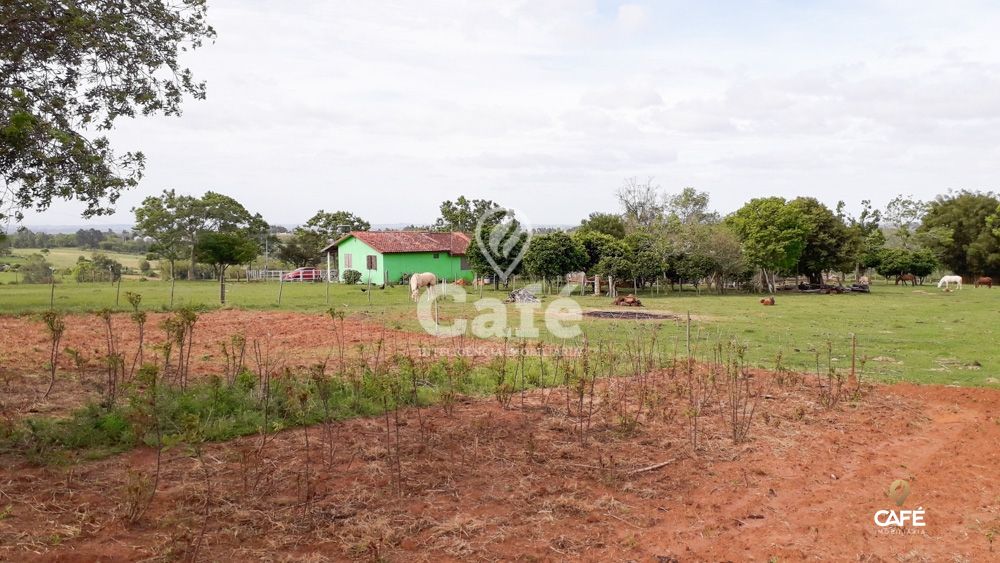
(387, 108)
(631, 17)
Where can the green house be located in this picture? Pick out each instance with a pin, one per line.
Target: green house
(383, 256)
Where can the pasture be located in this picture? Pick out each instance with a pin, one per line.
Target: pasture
(916, 334)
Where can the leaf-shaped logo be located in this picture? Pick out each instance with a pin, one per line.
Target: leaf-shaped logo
(898, 491)
(503, 237)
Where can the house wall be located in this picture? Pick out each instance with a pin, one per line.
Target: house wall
(445, 266)
(356, 252)
(392, 266)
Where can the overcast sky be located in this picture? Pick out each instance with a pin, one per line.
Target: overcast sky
(385, 109)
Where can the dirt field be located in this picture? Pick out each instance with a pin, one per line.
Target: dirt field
(299, 339)
(487, 483)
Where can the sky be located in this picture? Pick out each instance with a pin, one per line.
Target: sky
(386, 109)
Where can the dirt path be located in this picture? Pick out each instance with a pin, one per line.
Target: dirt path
(488, 483)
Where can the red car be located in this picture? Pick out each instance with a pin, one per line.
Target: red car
(303, 274)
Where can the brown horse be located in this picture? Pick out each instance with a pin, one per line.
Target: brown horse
(906, 278)
(985, 280)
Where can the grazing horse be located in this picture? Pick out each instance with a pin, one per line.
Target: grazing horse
(906, 278)
(418, 281)
(946, 281)
(985, 280)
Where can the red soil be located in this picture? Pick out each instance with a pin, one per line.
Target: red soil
(488, 483)
(299, 339)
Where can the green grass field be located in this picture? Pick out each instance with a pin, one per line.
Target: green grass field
(67, 257)
(913, 334)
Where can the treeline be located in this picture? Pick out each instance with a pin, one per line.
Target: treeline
(87, 239)
(678, 238)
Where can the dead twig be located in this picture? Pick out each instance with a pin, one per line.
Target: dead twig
(653, 467)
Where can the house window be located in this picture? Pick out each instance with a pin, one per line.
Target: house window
(464, 263)
(347, 260)
(372, 262)
(436, 255)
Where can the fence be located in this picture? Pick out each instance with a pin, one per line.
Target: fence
(276, 275)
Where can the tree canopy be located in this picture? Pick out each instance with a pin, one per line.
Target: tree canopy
(605, 223)
(68, 69)
(772, 234)
(554, 255)
(222, 249)
(464, 214)
(176, 222)
(827, 241)
(969, 246)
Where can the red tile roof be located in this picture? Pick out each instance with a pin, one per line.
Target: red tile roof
(388, 242)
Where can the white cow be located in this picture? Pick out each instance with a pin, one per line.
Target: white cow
(418, 281)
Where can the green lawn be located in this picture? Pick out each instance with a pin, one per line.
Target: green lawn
(914, 334)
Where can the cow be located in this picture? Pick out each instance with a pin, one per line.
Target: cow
(419, 281)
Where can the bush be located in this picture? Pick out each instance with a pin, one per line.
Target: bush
(351, 276)
(36, 269)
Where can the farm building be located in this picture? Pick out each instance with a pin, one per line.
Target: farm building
(386, 255)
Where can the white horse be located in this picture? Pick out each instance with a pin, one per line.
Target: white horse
(946, 281)
(418, 281)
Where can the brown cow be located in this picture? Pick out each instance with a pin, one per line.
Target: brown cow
(985, 280)
(906, 278)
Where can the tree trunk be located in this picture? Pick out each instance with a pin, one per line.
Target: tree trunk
(222, 285)
(191, 265)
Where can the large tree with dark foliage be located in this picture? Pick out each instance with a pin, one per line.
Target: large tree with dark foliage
(965, 242)
(69, 70)
(827, 240)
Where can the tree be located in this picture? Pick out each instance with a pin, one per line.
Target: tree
(554, 255)
(36, 269)
(605, 223)
(67, 68)
(161, 218)
(222, 249)
(598, 245)
(317, 233)
(646, 256)
(827, 240)
(772, 235)
(903, 213)
(498, 248)
(298, 254)
(618, 267)
(690, 207)
(464, 214)
(333, 225)
(640, 203)
(89, 238)
(894, 262)
(177, 221)
(965, 243)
